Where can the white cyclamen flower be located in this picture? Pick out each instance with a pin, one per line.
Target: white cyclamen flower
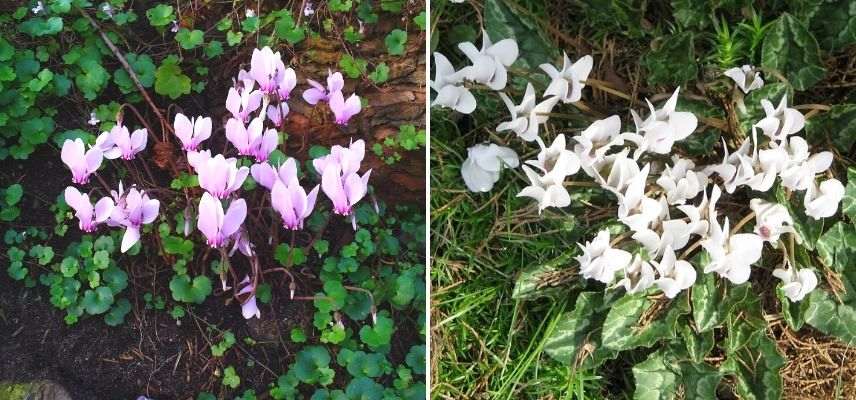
(675, 275)
(556, 159)
(555, 162)
(600, 261)
(796, 284)
(489, 63)
(595, 141)
(746, 78)
(567, 84)
(638, 276)
(448, 84)
(801, 165)
(483, 164)
(771, 220)
(635, 209)
(548, 189)
(526, 117)
(821, 202)
(758, 170)
(680, 181)
(780, 121)
(618, 168)
(662, 128)
(674, 233)
(731, 255)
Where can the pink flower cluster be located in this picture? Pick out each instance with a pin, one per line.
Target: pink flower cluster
(131, 209)
(261, 95)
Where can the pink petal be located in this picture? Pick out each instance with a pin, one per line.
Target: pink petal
(233, 102)
(234, 217)
(264, 174)
(313, 96)
(201, 130)
(210, 216)
(184, 128)
(150, 210)
(335, 82)
(331, 184)
(103, 209)
(131, 237)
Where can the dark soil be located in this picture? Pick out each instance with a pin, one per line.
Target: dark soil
(151, 354)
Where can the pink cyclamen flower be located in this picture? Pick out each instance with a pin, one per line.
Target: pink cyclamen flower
(348, 158)
(250, 140)
(344, 190)
(221, 176)
(344, 109)
(88, 215)
(277, 113)
(241, 242)
(119, 142)
(249, 308)
(286, 84)
(266, 175)
(80, 161)
(335, 83)
(197, 159)
(216, 225)
(191, 132)
(267, 69)
(292, 203)
(242, 103)
(133, 210)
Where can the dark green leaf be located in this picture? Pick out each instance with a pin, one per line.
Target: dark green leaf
(792, 50)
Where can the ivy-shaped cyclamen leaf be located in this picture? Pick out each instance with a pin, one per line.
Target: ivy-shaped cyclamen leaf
(829, 316)
(838, 125)
(792, 50)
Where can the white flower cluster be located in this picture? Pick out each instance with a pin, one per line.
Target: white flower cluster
(490, 68)
(648, 191)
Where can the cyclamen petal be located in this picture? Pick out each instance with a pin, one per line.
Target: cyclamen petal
(80, 161)
(119, 142)
(318, 93)
(292, 203)
(221, 176)
(266, 145)
(567, 84)
(216, 225)
(242, 103)
(822, 201)
(796, 284)
(600, 261)
(483, 164)
(89, 216)
(746, 78)
(490, 62)
(191, 132)
(267, 68)
(343, 109)
(771, 219)
(249, 308)
(314, 94)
